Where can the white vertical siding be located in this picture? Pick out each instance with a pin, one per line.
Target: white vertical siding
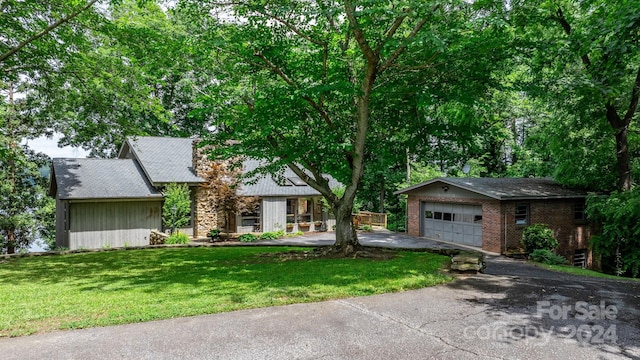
(99, 224)
(274, 213)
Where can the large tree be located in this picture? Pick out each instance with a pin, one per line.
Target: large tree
(308, 84)
(585, 61)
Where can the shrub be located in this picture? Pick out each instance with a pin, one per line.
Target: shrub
(214, 234)
(547, 257)
(366, 228)
(177, 206)
(177, 238)
(538, 236)
(247, 238)
(270, 235)
(297, 233)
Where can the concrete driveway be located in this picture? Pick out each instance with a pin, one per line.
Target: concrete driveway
(513, 311)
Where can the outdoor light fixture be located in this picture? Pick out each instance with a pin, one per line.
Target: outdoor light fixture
(445, 188)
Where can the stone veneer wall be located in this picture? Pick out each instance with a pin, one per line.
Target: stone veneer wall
(205, 216)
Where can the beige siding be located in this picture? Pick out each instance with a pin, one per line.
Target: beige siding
(274, 213)
(445, 191)
(114, 224)
(62, 234)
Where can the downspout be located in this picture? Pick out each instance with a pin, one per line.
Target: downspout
(505, 232)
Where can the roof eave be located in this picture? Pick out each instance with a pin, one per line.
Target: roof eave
(127, 198)
(443, 180)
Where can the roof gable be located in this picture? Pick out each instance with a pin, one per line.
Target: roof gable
(100, 179)
(163, 159)
(506, 188)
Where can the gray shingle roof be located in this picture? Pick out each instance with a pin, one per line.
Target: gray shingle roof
(101, 179)
(507, 188)
(164, 159)
(265, 185)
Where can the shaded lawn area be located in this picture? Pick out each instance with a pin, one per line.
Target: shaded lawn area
(570, 269)
(42, 294)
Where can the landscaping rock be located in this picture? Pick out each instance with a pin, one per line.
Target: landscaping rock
(468, 262)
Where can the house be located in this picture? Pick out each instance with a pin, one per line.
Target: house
(103, 203)
(285, 202)
(117, 202)
(491, 213)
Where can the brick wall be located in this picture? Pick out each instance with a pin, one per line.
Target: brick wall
(559, 216)
(498, 219)
(491, 223)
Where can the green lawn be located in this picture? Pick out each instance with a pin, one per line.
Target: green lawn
(569, 269)
(42, 294)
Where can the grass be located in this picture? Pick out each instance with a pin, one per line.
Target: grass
(581, 272)
(43, 294)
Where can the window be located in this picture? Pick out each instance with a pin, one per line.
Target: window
(437, 215)
(578, 211)
(477, 219)
(428, 214)
(522, 214)
(447, 217)
(251, 217)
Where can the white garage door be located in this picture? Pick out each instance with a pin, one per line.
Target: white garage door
(458, 223)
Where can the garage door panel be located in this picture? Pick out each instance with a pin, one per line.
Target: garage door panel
(452, 222)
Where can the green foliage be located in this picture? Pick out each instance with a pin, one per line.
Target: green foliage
(176, 209)
(214, 234)
(177, 238)
(272, 235)
(547, 257)
(538, 236)
(247, 238)
(366, 228)
(297, 233)
(617, 216)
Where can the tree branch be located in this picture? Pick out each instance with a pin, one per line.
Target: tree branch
(52, 26)
(393, 57)
(371, 56)
(276, 69)
(391, 32)
(567, 29)
(635, 96)
(292, 28)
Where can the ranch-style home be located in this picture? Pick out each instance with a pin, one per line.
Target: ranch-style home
(118, 202)
(491, 213)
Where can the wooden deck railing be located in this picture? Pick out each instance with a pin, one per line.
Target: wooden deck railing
(371, 218)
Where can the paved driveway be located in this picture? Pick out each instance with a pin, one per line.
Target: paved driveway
(382, 238)
(514, 311)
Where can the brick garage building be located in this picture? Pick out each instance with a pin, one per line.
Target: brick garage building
(491, 213)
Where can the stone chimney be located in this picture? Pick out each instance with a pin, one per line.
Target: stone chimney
(205, 215)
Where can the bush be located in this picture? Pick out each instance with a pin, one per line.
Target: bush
(272, 235)
(214, 234)
(177, 238)
(247, 238)
(366, 228)
(547, 257)
(538, 236)
(297, 233)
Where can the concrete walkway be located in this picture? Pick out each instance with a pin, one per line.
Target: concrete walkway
(381, 238)
(514, 311)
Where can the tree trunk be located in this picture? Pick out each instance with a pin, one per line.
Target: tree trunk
(11, 242)
(621, 127)
(624, 159)
(346, 237)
